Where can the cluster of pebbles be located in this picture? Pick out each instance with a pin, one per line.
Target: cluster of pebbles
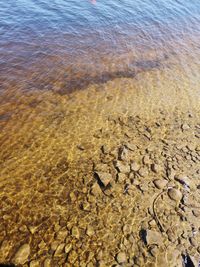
(136, 203)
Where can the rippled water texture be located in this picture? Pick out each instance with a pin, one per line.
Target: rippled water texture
(66, 45)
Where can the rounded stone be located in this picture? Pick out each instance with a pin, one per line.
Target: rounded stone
(22, 254)
(121, 257)
(160, 183)
(175, 194)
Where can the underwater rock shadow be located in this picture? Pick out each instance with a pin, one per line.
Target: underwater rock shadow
(75, 82)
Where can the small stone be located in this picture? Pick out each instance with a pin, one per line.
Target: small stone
(68, 247)
(22, 254)
(122, 167)
(32, 229)
(123, 153)
(175, 194)
(59, 250)
(131, 147)
(47, 262)
(105, 149)
(146, 160)
(61, 235)
(105, 178)
(153, 237)
(75, 232)
(155, 168)
(35, 263)
(121, 257)
(185, 127)
(135, 166)
(72, 257)
(183, 179)
(96, 190)
(193, 242)
(121, 177)
(90, 231)
(143, 172)
(196, 213)
(160, 183)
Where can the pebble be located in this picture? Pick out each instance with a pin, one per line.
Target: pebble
(96, 190)
(160, 183)
(34, 263)
(75, 232)
(143, 172)
(123, 167)
(90, 230)
(68, 247)
(47, 262)
(59, 250)
(153, 237)
(104, 177)
(72, 256)
(135, 166)
(185, 127)
(183, 179)
(175, 194)
(131, 147)
(155, 168)
(121, 257)
(123, 153)
(22, 254)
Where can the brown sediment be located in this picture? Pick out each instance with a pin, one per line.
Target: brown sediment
(54, 210)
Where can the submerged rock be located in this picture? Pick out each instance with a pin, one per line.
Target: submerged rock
(160, 183)
(104, 178)
(22, 254)
(121, 257)
(175, 194)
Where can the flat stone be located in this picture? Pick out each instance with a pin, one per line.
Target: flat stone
(59, 250)
(185, 127)
(135, 166)
(175, 194)
(96, 190)
(121, 257)
(123, 167)
(22, 254)
(160, 183)
(153, 237)
(104, 177)
(131, 147)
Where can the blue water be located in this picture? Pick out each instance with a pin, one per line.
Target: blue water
(43, 37)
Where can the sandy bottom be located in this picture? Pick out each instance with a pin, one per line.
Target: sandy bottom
(107, 176)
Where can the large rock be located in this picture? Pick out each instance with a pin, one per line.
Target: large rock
(22, 254)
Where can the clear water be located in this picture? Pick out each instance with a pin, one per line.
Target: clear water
(79, 42)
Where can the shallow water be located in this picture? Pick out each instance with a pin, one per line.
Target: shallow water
(80, 77)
